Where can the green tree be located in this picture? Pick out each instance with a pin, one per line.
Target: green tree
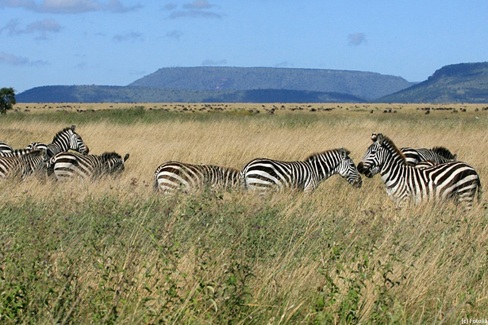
(7, 99)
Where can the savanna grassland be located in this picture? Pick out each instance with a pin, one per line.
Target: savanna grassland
(114, 252)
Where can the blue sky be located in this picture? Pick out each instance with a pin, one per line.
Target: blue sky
(114, 42)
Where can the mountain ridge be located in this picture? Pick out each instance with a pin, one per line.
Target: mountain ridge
(462, 82)
(363, 84)
(454, 83)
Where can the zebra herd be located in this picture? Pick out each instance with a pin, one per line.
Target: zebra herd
(55, 158)
(409, 175)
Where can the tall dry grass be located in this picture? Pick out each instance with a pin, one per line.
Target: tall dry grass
(113, 251)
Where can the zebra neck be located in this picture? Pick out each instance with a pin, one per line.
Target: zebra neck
(392, 171)
(324, 167)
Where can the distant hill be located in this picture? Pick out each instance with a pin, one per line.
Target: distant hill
(457, 83)
(366, 85)
(97, 94)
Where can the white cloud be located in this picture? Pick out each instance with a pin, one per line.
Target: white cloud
(130, 36)
(41, 27)
(176, 34)
(194, 9)
(69, 6)
(198, 5)
(12, 59)
(356, 39)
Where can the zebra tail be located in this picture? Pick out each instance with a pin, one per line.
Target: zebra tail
(49, 163)
(242, 181)
(155, 185)
(480, 191)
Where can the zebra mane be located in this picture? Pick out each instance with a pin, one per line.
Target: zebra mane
(67, 129)
(35, 153)
(444, 152)
(386, 142)
(316, 154)
(110, 155)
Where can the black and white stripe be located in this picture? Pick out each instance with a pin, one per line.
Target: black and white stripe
(405, 183)
(22, 166)
(36, 145)
(436, 155)
(175, 176)
(263, 174)
(26, 150)
(5, 148)
(66, 165)
(65, 140)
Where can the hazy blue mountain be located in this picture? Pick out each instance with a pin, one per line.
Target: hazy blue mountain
(97, 94)
(457, 83)
(465, 82)
(366, 85)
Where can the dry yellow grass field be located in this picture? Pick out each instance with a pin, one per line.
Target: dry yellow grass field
(339, 255)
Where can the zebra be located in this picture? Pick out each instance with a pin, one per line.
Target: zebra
(65, 140)
(5, 148)
(437, 155)
(66, 165)
(22, 166)
(36, 145)
(26, 150)
(174, 176)
(263, 174)
(429, 182)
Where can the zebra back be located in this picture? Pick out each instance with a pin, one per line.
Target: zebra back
(4, 148)
(65, 140)
(22, 166)
(173, 176)
(36, 145)
(66, 165)
(436, 155)
(26, 150)
(264, 174)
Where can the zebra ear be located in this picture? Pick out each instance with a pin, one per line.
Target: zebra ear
(377, 137)
(345, 152)
(73, 127)
(126, 157)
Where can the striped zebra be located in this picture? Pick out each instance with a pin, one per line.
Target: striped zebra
(4, 148)
(437, 155)
(404, 183)
(22, 166)
(36, 145)
(65, 140)
(175, 176)
(26, 150)
(263, 174)
(66, 165)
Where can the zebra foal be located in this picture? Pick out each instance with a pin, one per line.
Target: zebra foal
(68, 165)
(263, 174)
(24, 165)
(175, 176)
(404, 183)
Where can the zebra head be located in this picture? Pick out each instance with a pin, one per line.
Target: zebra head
(114, 162)
(377, 155)
(371, 163)
(347, 169)
(67, 139)
(76, 142)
